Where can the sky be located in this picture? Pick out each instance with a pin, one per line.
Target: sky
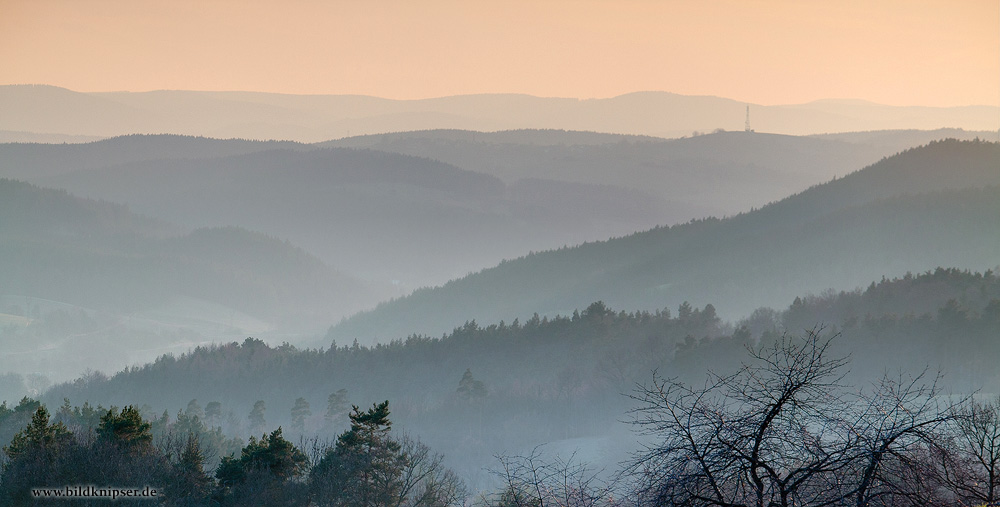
(897, 52)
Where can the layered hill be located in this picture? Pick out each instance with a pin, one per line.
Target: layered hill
(421, 208)
(87, 279)
(929, 206)
(32, 161)
(382, 215)
(722, 173)
(313, 118)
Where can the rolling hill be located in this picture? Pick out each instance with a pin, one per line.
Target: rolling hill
(33, 161)
(420, 208)
(723, 173)
(926, 207)
(384, 216)
(81, 279)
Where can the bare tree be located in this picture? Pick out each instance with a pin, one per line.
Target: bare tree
(784, 430)
(535, 481)
(967, 463)
(896, 422)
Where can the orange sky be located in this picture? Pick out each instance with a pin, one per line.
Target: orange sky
(900, 52)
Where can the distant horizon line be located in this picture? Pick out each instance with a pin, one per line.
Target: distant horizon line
(842, 100)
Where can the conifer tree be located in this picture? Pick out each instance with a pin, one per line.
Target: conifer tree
(299, 413)
(191, 485)
(256, 417)
(126, 428)
(336, 406)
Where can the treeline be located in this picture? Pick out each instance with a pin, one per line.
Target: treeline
(365, 466)
(910, 211)
(785, 428)
(549, 379)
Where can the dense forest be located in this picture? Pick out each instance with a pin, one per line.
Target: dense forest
(505, 388)
(486, 397)
(665, 367)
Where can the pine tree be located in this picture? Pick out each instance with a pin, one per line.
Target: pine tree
(336, 406)
(271, 453)
(299, 413)
(194, 409)
(370, 468)
(39, 435)
(126, 428)
(213, 413)
(363, 468)
(191, 485)
(256, 417)
(35, 456)
(469, 388)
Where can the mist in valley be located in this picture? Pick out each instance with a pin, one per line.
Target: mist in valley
(516, 280)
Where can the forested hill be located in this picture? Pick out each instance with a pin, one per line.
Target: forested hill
(929, 206)
(597, 345)
(496, 387)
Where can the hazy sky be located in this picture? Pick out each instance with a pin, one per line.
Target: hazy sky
(901, 52)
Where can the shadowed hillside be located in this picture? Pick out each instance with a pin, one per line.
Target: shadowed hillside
(925, 207)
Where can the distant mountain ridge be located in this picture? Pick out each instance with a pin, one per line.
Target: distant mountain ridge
(711, 175)
(31, 161)
(312, 118)
(930, 206)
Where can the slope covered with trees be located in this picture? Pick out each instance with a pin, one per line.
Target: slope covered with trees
(930, 206)
(506, 387)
